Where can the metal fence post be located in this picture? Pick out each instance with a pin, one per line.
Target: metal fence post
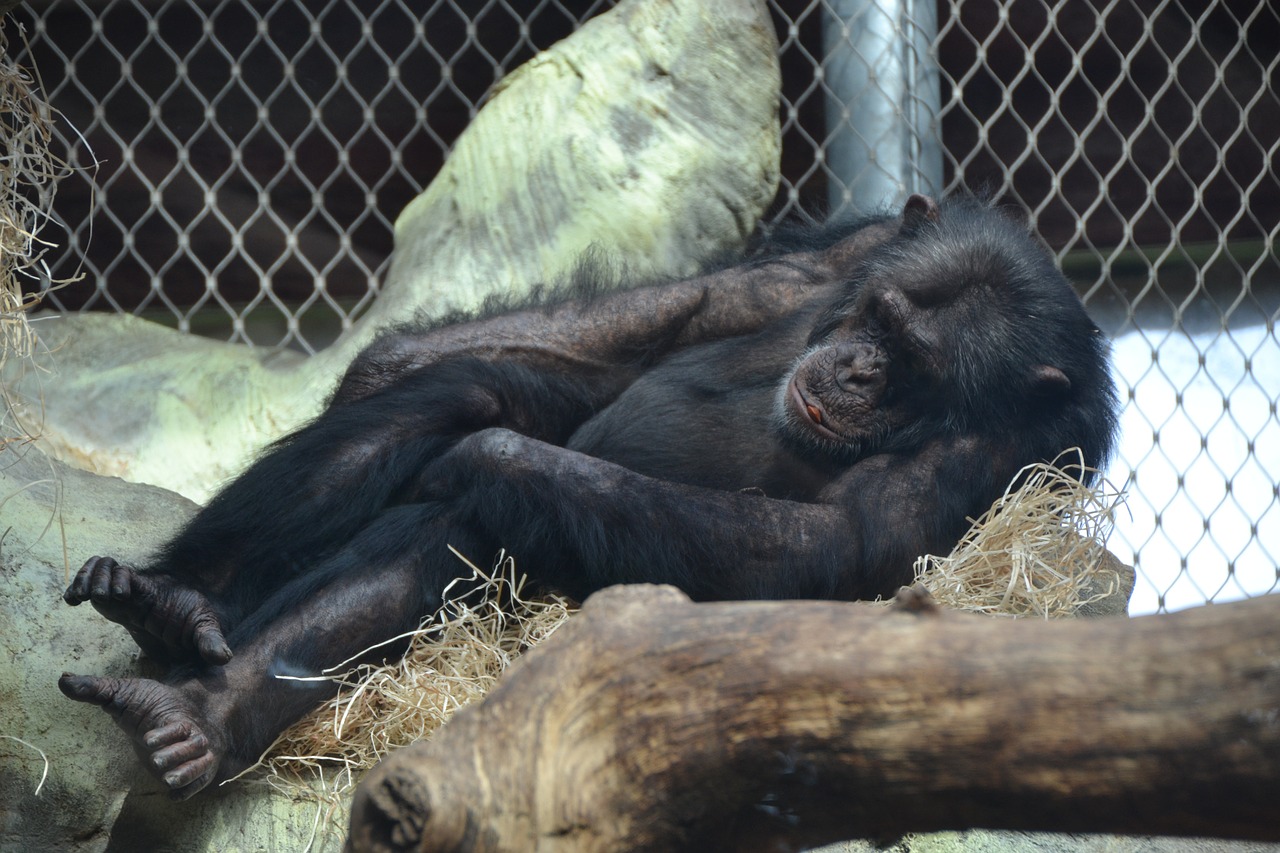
(882, 103)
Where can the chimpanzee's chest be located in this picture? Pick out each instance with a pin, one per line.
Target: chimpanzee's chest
(707, 417)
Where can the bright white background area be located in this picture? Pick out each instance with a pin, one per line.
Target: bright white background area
(1201, 438)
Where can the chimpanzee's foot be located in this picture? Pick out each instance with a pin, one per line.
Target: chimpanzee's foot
(170, 735)
(168, 621)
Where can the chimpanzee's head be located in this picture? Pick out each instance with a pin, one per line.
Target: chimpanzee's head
(958, 324)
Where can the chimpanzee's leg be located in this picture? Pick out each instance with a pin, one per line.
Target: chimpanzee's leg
(267, 528)
(579, 523)
(210, 723)
(314, 491)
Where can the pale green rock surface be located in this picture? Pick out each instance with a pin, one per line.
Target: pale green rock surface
(96, 795)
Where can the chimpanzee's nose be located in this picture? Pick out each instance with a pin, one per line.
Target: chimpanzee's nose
(859, 366)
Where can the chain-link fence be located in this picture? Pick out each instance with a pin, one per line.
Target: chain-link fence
(252, 154)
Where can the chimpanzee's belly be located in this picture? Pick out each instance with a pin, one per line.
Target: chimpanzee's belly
(705, 417)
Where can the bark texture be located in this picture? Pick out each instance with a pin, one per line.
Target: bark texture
(652, 723)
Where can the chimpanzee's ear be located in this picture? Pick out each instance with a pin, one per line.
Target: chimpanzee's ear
(918, 210)
(1049, 380)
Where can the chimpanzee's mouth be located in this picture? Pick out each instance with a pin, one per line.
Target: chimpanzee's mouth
(811, 414)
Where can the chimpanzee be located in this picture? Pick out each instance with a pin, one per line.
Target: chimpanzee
(803, 424)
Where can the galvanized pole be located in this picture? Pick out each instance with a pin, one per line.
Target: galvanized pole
(882, 104)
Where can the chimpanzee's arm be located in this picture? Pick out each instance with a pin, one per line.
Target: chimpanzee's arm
(579, 523)
(628, 328)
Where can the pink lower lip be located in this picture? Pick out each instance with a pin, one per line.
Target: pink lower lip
(802, 407)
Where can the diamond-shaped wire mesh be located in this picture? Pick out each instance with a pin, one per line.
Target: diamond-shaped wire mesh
(252, 155)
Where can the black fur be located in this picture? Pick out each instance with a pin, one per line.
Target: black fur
(703, 415)
(804, 424)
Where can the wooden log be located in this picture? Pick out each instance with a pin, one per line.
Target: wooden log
(652, 723)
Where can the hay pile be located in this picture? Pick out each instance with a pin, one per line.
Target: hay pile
(19, 123)
(454, 659)
(1039, 551)
(29, 173)
(25, 133)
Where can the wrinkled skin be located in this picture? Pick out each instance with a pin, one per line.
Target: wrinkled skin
(802, 425)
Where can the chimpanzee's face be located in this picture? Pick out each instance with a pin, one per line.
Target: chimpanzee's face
(932, 332)
(869, 371)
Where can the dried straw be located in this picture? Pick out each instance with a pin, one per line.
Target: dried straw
(454, 659)
(1039, 551)
(29, 173)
